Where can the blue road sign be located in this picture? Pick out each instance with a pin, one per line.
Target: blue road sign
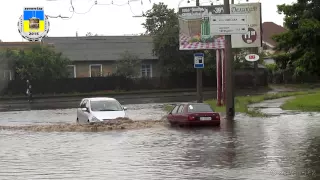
(199, 60)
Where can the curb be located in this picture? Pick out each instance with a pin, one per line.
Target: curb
(129, 95)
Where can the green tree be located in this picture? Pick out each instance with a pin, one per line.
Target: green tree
(40, 63)
(301, 42)
(162, 23)
(128, 65)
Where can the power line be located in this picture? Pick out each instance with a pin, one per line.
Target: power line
(72, 8)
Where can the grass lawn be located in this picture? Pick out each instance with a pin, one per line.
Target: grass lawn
(307, 103)
(242, 102)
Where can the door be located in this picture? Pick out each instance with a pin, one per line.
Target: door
(171, 115)
(80, 113)
(180, 116)
(87, 113)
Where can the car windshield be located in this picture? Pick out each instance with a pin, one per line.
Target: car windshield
(199, 108)
(106, 105)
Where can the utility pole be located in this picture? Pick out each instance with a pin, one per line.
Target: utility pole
(230, 111)
(255, 66)
(199, 76)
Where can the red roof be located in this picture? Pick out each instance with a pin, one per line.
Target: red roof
(270, 29)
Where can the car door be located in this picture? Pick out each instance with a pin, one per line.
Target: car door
(180, 116)
(86, 114)
(81, 113)
(171, 115)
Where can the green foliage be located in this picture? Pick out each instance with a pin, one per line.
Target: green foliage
(40, 63)
(308, 103)
(301, 41)
(272, 67)
(6, 59)
(162, 23)
(128, 64)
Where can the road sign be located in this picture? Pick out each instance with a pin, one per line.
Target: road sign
(228, 19)
(198, 60)
(228, 29)
(252, 57)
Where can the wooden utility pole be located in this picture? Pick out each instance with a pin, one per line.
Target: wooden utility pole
(199, 76)
(230, 111)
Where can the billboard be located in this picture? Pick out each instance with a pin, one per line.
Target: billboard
(195, 31)
(33, 24)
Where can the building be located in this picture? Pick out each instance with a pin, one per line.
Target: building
(97, 55)
(269, 29)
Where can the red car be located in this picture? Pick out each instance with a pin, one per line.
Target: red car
(189, 114)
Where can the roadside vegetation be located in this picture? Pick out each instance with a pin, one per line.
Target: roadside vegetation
(242, 102)
(307, 103)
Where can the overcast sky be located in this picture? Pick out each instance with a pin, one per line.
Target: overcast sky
(103, 19)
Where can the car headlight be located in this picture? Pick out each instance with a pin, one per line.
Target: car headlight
(94, 119)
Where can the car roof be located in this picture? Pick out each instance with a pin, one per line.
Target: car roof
(100, 99)
(191, 103)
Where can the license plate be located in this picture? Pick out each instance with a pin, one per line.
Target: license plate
(205, 118)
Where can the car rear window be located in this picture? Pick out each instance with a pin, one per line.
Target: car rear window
(199, 108)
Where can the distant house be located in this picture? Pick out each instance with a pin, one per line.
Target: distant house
(97, 55)
(6, 69)
(269, 29)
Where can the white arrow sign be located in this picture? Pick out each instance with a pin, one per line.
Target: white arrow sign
(228, 19)
(252, 57)
(228, 29)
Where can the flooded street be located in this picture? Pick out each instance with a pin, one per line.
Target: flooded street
(286, 146)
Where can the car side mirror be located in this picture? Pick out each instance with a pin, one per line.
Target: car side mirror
(170, 113)
(125, 108)
(85, 109)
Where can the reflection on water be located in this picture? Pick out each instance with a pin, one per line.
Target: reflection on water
(280, 147)
(284, 147)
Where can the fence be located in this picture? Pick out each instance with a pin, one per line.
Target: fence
(288, 77)
(114, 83)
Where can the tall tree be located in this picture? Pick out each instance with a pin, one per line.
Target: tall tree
(162, 23)
(40, 63)
(301, 43)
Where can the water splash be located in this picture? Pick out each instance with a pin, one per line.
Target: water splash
(118, 124)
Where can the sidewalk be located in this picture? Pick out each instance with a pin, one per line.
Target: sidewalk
(128, 94)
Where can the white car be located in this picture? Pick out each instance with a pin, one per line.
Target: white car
(99, 109)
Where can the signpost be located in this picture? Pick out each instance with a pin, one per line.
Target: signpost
(199, 65)
(252, 57)
(198, 60)
(229, 29)
(229, 19)
(228, 24)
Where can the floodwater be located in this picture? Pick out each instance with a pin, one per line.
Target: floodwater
(279, 147)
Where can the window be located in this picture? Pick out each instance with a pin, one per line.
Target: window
(95, 70)
(72, 71)
(199, 108)
(146, 70)
(7, 75)
(106, 105)
(174, 110)
(83, 104)
(180, 110)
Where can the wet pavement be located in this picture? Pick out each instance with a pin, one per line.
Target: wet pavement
(284, 146)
